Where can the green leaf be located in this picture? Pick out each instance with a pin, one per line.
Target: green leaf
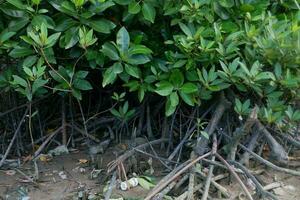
(264, 76)
(65, 23)
(82, 84)
(109, 50)
(145, 183)
(37, 84)
(117, 68)
(30, 61)
(19, 81)
(76, 94)
(70, 38)
(141, 94)
(18, 24)
(55, 76)
(164, 88)
(133, 85)
(177, 78)
(5, 35)
(139, 49)
(179, 63)
(187, 98)
(81, 74)
(123, 2)
(52, 39)
(169, 108)
(12, 11)
(28, 71)
(134, 7)
(19, 52)
(174, 99)
(123, 40)
(185, 29)
(108, 77)
(132, 70)
(115, 113)
(226, 3)
(188, 88)
(125, 107)
(205, 134)
(101, 7)
(138, 59)
(148, 12)
(17, 3)
(35, 38)
(102, 25)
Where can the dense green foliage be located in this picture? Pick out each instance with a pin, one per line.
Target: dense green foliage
(183, 50)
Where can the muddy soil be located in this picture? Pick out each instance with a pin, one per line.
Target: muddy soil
(69, 176)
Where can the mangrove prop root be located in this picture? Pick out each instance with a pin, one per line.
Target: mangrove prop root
(13, 139)
(202, 142)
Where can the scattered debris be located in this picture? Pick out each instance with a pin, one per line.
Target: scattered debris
(60, 150)
(45, 157)
(10, 172)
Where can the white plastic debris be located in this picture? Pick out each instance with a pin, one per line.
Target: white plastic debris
(62, 175)
(125, 185)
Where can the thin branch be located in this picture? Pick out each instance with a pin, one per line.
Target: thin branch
(230, 168)
(13, 139)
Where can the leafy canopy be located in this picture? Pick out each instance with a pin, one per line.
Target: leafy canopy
(185, 51)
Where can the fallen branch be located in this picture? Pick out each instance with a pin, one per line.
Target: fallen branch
(272, 186)
(230, 168)
(41, 147)
(113, 165)
(211, 169)
(160, 195)
(259, 188)
(173, 175)
(219, 187)
(84, 133)
(184, 195)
